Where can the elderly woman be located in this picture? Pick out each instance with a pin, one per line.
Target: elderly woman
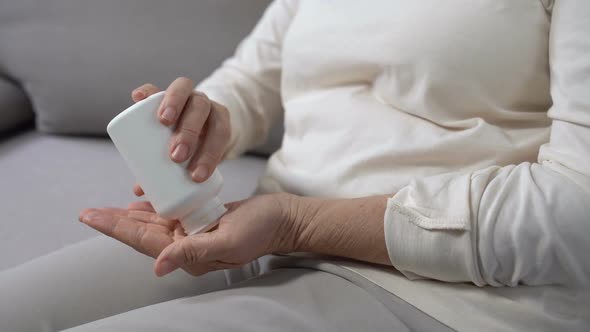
(442, 141)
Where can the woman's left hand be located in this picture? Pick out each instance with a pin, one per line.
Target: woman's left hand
(251, 228)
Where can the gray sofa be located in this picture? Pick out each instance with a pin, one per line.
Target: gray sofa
(66, 68)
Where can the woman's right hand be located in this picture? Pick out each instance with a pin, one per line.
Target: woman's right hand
(201, 127)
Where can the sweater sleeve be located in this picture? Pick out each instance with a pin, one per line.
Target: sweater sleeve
(248, 83)
(518, 224)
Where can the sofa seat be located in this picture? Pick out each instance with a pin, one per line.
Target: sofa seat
(46, 180)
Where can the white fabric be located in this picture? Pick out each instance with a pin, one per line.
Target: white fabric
(476, 114)
(101, 284)
(286, 300)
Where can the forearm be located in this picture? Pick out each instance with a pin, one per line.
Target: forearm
(351, 228)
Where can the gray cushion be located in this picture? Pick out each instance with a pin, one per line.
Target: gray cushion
(15, 108)
(46, 180)
(80, 59)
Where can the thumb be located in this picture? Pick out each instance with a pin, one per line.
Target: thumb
(194, 249)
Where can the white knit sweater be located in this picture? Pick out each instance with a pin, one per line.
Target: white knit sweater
(474, 115)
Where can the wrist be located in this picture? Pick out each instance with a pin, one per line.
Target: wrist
(297, 217)
(304, 213)
(351, 228)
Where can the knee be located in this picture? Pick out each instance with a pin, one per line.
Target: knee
(22, 308)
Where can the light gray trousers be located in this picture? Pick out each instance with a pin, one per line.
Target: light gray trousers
(102, 285)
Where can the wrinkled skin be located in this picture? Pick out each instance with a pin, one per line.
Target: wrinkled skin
(251, 228)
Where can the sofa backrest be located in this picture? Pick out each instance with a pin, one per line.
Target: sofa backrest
(15, 109)
(78, 60)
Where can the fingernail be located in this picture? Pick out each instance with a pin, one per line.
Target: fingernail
(93, 217)
(139, 93)
(200, 174)
(166, 266)
(169, 114)
(180, 152)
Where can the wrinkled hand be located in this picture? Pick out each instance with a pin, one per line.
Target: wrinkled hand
(251, 228)
(199, 122)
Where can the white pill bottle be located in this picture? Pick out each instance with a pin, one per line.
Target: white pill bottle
(143, 142)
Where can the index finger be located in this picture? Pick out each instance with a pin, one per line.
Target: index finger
(147, 238)
(143, 92)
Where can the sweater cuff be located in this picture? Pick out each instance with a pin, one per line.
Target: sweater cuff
(425, 241)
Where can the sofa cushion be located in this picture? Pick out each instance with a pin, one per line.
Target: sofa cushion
(80, 59)
(15, 109)
(46, 181)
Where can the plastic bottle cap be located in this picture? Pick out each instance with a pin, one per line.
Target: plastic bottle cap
(204, 218)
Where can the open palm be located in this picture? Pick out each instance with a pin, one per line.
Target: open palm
(250, 229)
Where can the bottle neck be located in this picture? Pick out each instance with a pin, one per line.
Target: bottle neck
(204, 218)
